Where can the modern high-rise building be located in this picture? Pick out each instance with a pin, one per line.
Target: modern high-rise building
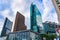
(56, 4)
(7, 27)
(49, 27)
(35, 18)
(19, 22)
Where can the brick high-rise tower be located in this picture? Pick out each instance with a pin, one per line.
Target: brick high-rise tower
(19, 22)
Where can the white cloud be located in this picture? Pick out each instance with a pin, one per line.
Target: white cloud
(3, 1)
(45, 11)
(47, 14)
(52, 17)
(23, 6)
(5, 13)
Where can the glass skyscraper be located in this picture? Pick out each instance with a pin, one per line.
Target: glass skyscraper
(35, 17)
(7, 27)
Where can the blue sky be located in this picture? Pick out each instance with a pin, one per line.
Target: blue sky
(8, 8)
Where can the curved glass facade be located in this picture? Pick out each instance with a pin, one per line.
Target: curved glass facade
(23, 35)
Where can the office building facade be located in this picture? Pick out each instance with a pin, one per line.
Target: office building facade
(24, 35)
(56, 4)
(35, 18)
(7, 27)
(49, 27)
(19, 22)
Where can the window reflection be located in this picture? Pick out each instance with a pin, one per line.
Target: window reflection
(23, 36)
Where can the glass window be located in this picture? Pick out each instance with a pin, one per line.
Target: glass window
(23, 36)
(11, 37)
(34, 36)
(24, 39)
(16, 36)
(8, 24)
(7, 31)
(35, 28)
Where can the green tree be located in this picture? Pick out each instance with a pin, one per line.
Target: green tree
(48, 36)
